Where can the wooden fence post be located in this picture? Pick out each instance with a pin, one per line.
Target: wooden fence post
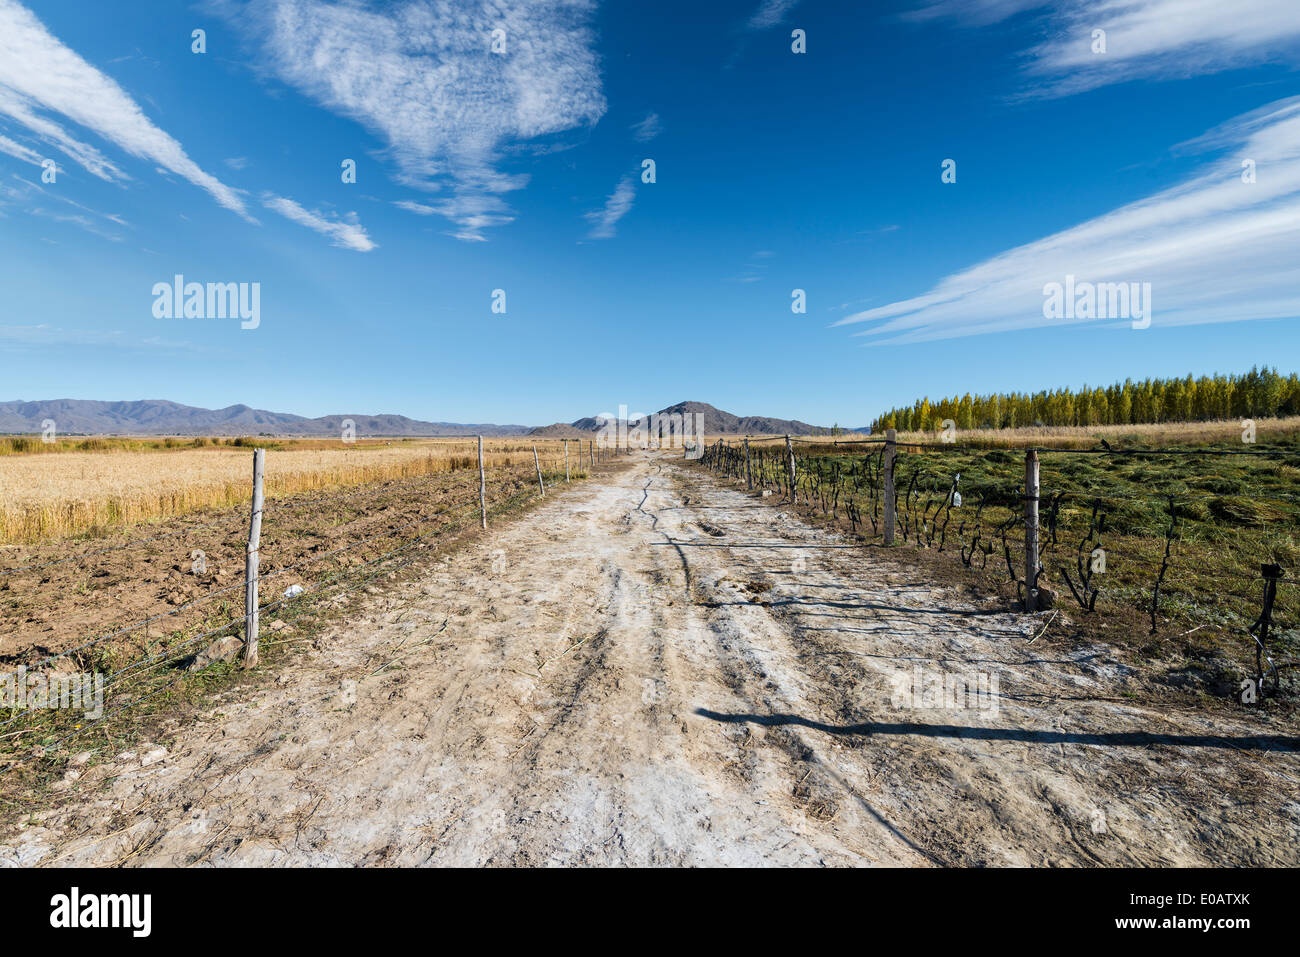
(789, 449)
(482, 484)
(1031, 530)
(251, 563)
(566, 460)
(538, 466)
(591, 447)
(749, 476)
(887, 475)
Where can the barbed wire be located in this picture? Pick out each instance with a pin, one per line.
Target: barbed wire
(176, 652)
(1195, 453)
(136, 626)
(1106, 448)
(283, 502)
(109, 679)
(81, 730)
(923, 502)
(111, 548)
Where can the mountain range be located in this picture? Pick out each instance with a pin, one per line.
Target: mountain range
(161, 417)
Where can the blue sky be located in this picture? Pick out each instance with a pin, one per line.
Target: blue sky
(521, 171)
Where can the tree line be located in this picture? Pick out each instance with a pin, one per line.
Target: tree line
(1259, 393)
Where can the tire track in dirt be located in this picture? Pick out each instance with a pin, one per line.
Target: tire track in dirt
(1066, 771)
(659, 670)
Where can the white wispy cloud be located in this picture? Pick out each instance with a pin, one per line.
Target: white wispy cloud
(38, 72)
(605, 219)
(980, 12)
(770, 13)
(92, 160)
(647, 129)
(1144, 38)
(45, 334)
(346, 232)
(19, 151)
(422, 76)
(77, 219)
(24, 338)
(471, 224)
(1214, 248)
(420, 209)
(31, 195)
(32, 186)
(753, 271)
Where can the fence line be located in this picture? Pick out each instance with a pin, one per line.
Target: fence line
(364, 489)
(105, 551)
(1105, 447)
(183, 648)
(171, 653)
(1022, 540)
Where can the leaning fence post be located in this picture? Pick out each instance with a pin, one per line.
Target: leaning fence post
(591, 448)
(1263, 623)
(789, 449)
(482, 484)
(540, 484)
(749, 476)
(887, 478)
(251, 562)
(1031, 530)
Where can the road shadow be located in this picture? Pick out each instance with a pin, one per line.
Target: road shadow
(1121, 739)
(856, 605)
(811, 547)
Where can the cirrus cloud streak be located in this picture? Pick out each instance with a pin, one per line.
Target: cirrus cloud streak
(346, 232)
(39, 72)
(1214, 248)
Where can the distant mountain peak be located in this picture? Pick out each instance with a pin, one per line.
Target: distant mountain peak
(716, 422)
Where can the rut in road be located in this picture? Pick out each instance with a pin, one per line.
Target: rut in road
(655, 669)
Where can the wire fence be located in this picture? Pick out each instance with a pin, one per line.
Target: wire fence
(1212, 544)
(45, 700)
(1075, 538)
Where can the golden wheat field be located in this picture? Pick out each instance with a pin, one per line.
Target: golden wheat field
(54, 496)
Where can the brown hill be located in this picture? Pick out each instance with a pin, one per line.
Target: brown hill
(716, 422)
(560, 430)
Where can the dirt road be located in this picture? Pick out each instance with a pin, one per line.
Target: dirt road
(652, 669)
